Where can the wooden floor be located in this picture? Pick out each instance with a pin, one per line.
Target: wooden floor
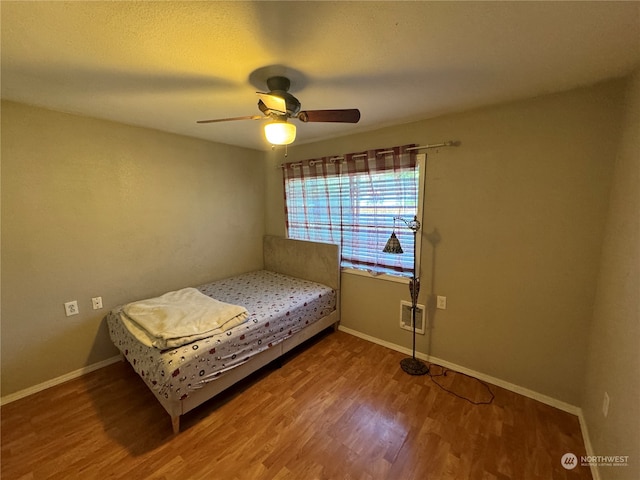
(340, 408)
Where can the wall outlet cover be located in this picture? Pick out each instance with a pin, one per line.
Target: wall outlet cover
(71, 308)
(96, 302)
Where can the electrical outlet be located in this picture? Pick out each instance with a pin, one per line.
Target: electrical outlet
(71, 308)
(96, 302)
(441, 302)
(605, 405)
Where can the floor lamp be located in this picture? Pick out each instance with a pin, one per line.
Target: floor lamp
(412, 365)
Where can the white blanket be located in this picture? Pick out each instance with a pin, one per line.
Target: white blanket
(180, 317)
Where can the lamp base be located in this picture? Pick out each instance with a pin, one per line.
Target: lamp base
(413, 366)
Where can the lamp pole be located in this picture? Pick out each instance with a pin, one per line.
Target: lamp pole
(414, 366)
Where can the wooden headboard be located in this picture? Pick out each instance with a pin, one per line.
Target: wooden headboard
(318, 262)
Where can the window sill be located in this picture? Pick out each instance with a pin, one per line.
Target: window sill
(383, 276)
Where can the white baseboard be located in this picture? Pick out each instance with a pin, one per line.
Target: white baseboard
(595, 473)
(12, 397)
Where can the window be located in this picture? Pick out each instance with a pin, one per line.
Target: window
(352, 201)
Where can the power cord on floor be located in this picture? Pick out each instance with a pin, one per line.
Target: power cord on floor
(443, 373)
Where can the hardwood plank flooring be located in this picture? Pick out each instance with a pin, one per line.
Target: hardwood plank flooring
(339, 408)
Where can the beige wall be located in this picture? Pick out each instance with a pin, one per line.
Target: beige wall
(94, 208)
(520, 207)
(614, 348)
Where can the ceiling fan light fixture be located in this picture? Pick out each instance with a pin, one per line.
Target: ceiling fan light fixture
(280, 133)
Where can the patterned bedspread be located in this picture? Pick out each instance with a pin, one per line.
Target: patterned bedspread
(278, 305)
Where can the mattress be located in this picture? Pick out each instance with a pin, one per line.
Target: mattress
(279, 306)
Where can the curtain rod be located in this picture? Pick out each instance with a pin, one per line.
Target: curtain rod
(449, 143)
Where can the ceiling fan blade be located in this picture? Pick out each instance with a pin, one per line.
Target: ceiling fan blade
(248, 117)
(273, 102)
(351, 115)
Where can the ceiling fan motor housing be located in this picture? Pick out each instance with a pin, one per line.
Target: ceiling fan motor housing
(279, 86)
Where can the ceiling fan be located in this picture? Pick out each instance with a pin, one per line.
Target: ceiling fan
(279, 105)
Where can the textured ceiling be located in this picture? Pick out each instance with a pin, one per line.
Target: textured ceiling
(165, 65)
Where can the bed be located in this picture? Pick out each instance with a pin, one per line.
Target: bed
(295, 296)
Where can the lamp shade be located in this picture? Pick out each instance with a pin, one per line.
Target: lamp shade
(393, 245)
(280, 133)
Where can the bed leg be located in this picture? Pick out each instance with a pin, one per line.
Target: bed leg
(175, 423)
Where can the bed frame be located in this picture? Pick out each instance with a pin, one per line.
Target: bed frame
(317, 262)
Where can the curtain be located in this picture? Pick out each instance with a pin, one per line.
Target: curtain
(313, 201)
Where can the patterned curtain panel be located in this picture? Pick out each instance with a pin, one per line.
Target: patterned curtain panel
(313, 199)
(352, 200)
